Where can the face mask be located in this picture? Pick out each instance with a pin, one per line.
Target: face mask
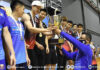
(83, 41)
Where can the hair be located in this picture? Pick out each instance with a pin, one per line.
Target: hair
(88, 36)
(1, 6)
(43, 10)
(64, 18)
(80, 25)
(69, 21)
(74, 24)
(14, 3)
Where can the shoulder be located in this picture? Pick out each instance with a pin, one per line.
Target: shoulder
(9, 19)
(25, 17)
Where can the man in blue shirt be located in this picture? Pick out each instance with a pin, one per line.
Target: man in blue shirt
(83, 57)
(16, 29)
(7, 38)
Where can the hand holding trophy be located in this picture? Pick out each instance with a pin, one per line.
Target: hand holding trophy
(56, 30)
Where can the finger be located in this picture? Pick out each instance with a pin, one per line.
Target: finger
(13, 68)
(11, 62)
(14, 62)
(29, 62)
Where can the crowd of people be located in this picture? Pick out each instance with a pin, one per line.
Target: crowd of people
(28, 41)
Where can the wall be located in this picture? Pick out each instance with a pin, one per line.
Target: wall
(92, 21)
(72, 9)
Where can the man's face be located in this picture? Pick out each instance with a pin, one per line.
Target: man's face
(36, 9)
(42, 15)
(75, 27)
(83, 39)
(20, 10)
(80, 28)
(63, 23)
(69, 25)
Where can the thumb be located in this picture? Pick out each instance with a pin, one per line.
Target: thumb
(11, 62)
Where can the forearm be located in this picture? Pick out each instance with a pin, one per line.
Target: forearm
(48, 33)
(68, 54)
(36, 43)
(46, 42)
(33, 29)
(37, 30)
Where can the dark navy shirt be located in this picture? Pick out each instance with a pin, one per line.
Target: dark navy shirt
(83, 57)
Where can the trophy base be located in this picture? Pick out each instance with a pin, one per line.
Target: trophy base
(56, 41)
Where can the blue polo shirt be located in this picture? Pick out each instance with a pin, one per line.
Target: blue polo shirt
(83, 57)
(18, 44)
(3, 23)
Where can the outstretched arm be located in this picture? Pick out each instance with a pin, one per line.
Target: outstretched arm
(81, 47)
(27, 23)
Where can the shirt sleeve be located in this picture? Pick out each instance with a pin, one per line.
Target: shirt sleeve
(68, 54)
(6, 21)
(81, 47)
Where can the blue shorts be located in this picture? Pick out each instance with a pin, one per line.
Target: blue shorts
(2, 65)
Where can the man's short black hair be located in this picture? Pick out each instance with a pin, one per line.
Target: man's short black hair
(69, 21)
(80, 25)
(1, 6)
(44, 9)
(88, 36)
(14, 3)
(74, 24)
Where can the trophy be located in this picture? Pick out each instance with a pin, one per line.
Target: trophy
(56, 19)
(56, 22)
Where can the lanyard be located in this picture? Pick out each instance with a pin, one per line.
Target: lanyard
(79, 34)
(33, 20)
(19, 27)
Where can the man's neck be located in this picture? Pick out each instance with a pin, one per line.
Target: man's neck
(67, 29)
(63, 26)
(15, 15)
(33, 14)
(79, 31)
(87, 43)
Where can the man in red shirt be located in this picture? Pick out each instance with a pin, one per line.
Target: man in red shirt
(31, 23)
